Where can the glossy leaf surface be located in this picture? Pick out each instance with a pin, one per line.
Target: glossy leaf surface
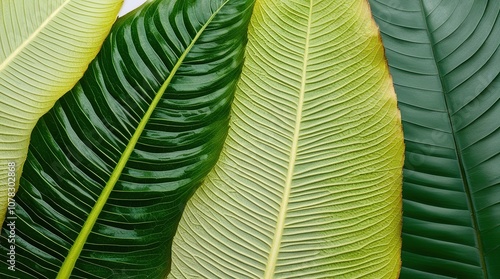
(309, 182)
(444, 57)
(45, 47)
(128, 145)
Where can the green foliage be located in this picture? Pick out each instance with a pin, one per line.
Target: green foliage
(444, 58)
(308, 181)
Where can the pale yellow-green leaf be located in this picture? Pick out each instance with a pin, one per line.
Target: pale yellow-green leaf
(45, 47)
(309, 182)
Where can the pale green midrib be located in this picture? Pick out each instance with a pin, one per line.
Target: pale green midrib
(74, 252)
(33, 36)
(280, 223)
(463, 173)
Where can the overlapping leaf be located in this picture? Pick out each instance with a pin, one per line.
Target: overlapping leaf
(444, 57)
(45, 46)
(309, 181)
(127, 146)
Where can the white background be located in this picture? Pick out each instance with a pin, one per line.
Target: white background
(129, 5)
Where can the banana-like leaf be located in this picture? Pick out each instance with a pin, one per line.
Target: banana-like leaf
(309, 182)
(45, 47)
(112, 165)
(444, 57)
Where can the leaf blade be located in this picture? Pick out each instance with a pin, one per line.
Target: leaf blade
(75, 250)
(232, 224)
(446, 86)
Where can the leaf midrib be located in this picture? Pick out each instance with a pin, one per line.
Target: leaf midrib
(33, 36)
(74, 252)
(463, 173)
(280, 223)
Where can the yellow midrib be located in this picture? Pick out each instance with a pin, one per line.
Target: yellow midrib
(33, 36)
(74, 252)
(280, 223)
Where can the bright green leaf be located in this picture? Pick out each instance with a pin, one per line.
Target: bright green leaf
(444, 57)
(127, 146)
(309, 182)
(45, 46)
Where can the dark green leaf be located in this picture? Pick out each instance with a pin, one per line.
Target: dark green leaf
(444, 58)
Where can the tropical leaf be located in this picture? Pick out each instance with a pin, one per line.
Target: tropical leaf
(111, 166)
(45, 46)
(309, 181)
(444, 58)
